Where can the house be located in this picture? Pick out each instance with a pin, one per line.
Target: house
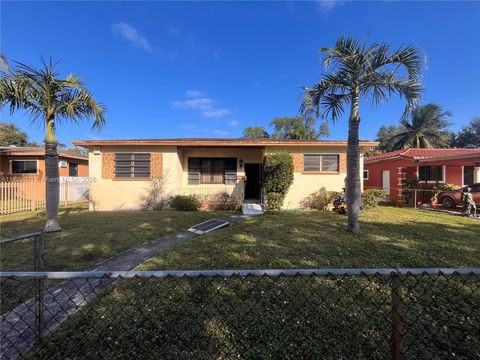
(123, 169)
(431, 166)
(29, 161)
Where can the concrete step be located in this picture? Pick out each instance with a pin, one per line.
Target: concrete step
(252, 209)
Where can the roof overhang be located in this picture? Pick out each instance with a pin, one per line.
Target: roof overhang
(216, 143)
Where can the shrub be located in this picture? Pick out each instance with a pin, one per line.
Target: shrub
(320, 199)
(277, 178)
(371, 198)
(222, 201)
(185, 202)
(409, 186)
(155, 198)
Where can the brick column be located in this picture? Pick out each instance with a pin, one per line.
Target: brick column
(401, 176)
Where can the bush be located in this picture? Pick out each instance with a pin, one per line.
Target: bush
(222, 201)
(320, 199)
(371, 198)
(155, 198)
(277, 178)
(185, 202)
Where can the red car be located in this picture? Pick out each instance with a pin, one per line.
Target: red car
(452, 199)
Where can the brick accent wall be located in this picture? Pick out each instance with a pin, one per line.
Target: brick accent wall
(297, 162)
(342, 166)
(108, 163)
(156, 165)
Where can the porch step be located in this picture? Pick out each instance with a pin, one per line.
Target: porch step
(252, 209)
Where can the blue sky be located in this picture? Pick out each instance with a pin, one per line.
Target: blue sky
(209, 69)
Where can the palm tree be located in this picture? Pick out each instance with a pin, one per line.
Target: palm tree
(361, 71)
(49, 100)
(424, 129)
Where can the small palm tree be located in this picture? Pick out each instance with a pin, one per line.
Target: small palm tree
(425, 128)
(49, 100)
(361, 71)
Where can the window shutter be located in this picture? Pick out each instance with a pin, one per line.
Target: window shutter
(230, 171)
(193, 171)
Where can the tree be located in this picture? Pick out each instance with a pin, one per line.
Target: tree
(10, 134)
(384, 137)
(294, 128)
(469, 136)
(361, 71)
(426, 128)
(255, 132)
(49, 100)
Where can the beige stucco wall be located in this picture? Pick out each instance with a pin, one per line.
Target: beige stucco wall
(305, 184)
(110, 194)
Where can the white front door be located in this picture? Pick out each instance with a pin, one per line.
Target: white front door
(386, 181)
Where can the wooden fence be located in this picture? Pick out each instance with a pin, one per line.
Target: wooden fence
(19, 194)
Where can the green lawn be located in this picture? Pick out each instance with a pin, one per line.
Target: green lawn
(89, 237)
(292, 318)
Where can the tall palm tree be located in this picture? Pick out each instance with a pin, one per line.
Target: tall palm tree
(425, 128)
(360, 71)
(49, 100)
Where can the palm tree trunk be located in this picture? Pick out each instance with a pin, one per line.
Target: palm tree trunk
(51, 178)
(353, 188)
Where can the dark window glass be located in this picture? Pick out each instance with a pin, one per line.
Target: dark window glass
(132, 165)
(365, 175)
(468, 175)
(320, 163)
(430, 173)
(72, 169)
(24, 166)
(212, 171)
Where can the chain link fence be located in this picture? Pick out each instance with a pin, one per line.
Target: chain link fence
(247, 314)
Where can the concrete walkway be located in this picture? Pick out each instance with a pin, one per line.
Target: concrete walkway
(18, 327)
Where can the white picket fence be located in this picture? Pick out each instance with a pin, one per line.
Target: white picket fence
(19, 194)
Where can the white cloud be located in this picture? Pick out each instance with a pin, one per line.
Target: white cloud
(220, 132)
(132, 35)
(215, 112)
(233, 122)
(328, 5)
(198, 100)
(194, 94)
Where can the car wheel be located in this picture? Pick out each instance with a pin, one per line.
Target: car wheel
(448, 202)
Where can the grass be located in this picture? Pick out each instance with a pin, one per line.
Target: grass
(291, 318)
(88, 237)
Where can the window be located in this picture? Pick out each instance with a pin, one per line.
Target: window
(72, 169)
(132, 165)
(430, 173)
(24, 166)
(467, 175)
(365, 174)
(320, 163)
(212, 171)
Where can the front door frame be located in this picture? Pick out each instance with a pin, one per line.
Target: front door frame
(258, 191)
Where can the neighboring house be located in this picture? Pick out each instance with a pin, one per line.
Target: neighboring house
(29, 161)
(123, 169)
(431, 166)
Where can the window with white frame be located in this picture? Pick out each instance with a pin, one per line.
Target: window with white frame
(320, 163)
(24, 166)
(365, 174)
(431, 173)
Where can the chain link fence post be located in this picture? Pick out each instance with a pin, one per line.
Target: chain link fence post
(38, 266)
(398, 317)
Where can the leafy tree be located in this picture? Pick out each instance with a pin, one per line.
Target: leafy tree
(255, 132)
(49, 99)
(324, 131)
(361, 71)
(3, 62)
(10, 134)
(384, 137)
(294, 128)
(426, 128)
(469, 136)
